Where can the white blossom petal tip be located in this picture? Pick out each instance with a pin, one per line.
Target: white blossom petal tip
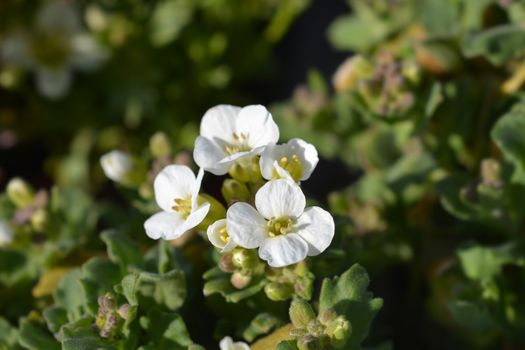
(116, 165)
(227, 343)
(283, 230)
(176, 189)
(297, 158)
(228, 133)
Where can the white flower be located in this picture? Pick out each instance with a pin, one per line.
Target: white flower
(6, 233)
(283, 230)
(228, 344)
(219, 237)
(116, 165)
(176, 193)
(229, 133)
(55, 47)
(294, 160)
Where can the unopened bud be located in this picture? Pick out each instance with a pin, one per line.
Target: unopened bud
(19, 192)
(297, 333)
(159, 145)
(315, 328)
(39, 220)
(235, 191)
(278, 291)
(301, 313)
(246, 170)
(123, 311)
(309, 342)
(240, 280)
(226, 264)
(338, 331)
(327, 316)
(106, 302)
(491, 172)
(349, 73)
(117, 165)
(245, 258)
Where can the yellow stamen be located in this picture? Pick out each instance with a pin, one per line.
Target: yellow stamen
(239, 144)
(280, 226)
(293, 167)
(183, 206)
(223, 235)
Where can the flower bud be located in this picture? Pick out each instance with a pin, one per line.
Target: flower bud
(19, 192)
(278, 291)
(240, 280)
(159, 145)
(235, 191)
(39, 220)
(226, 264)
(245, 258)
(246, 170)
(315, 328)
(297, 333)
(117, 165)
(338, 331)
(309, 342)
(491, 172)
(123, 311)
(327, 316)
(348, 73)
(301, 313)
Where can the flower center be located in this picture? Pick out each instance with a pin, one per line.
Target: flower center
(183, 206)
(239, 144)
(51, 50)
(280, 226)
(292, 165)
(224, 236)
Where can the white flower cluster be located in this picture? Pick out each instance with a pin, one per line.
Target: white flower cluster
(278, 224)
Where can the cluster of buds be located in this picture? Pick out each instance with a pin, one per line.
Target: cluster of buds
(267, 223)
(384, 83)
(30, 209)
(326, 331)
(110, 318)
(289, 281)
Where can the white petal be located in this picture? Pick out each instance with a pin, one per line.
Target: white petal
(228, 344)
(87, 53)
(218, 123)
(164, 225)
(256, 122)
(53, 83)
(208, 154)
(213, 234)
(279, 198)
(316, 226)
(6, 233)
(283, 250)
(196, 189)
(245, 225)
(116, 165)
(306, 153)
(173, 182)
(196, 216)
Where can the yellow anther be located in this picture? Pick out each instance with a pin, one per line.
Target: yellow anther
(292, 165)
(223, 235)
(239, 144)
(183, 206)
(280, 226)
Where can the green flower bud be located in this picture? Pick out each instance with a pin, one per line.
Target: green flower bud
(159, 145)
(226, 264)
(123, 311)
(39, 220)
(301, 313)
(278, 291)
(235, 191)
(246, 170)
(246, 259)
(240, 280)
(309, 342)
(327, 316)
(339, 331)
(297, 333)
(315, 328)
(217, 211)
(20, 193)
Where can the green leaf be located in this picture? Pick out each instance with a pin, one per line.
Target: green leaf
(347, 295)
(81, 336)
(34, 337)
(356, 33)
(70, 295)
(509, 135)
(168, 289)
(9, 338)
(130, 285)
(471, 315)
(55, 317)
(262, 324)
(286, 345)
(498, 44)
(440, 17)
(168, 20)
(122, 250)
(166, 331)
(99, 277)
